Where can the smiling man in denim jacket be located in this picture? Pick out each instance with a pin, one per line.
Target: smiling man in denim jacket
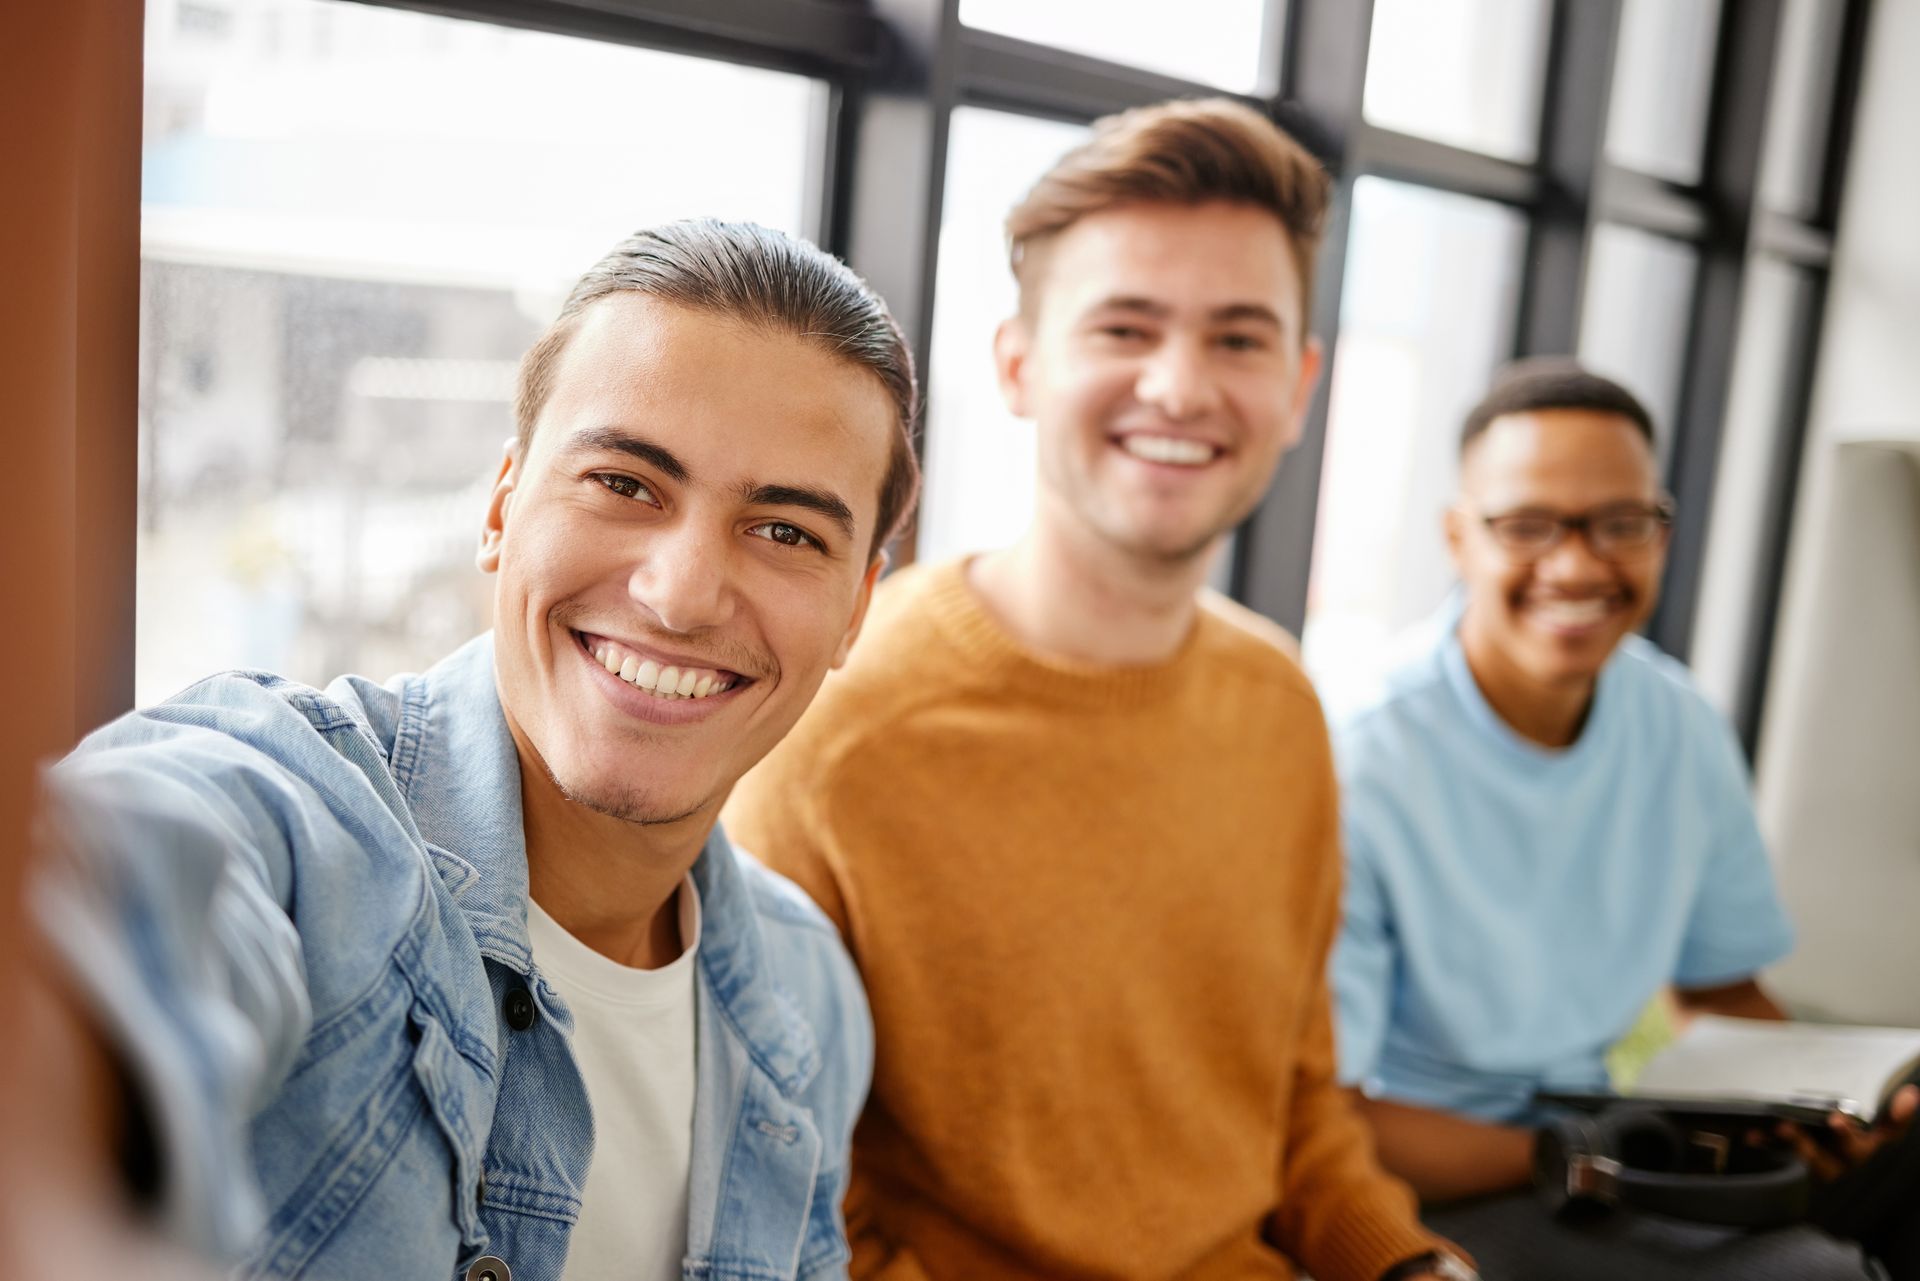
(456, 976)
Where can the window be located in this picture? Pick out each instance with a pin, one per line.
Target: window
(1802, 107)
(1662, 82)
(1756, 454)
(980, 459)
(1462, 72)
(1426, 315)
(354, 221)
(1218, 42)
(1633, 322)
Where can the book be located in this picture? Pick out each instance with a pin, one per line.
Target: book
(1800, 1071)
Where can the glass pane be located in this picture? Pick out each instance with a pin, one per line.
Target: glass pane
(1464, 72)
(1776, 310)
(980, 459)
(1800, 106)
(1426, 315)
(1217, 42)
(1633, 322)
(354, 221)
(1662, 79)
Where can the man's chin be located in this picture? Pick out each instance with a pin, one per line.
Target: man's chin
(640, 806)
(1172, 544)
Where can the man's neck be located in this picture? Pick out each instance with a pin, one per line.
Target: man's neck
(610, 883)
(1068, 594)
(1550, 715)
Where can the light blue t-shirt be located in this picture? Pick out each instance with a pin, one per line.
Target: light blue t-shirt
(1511, 909)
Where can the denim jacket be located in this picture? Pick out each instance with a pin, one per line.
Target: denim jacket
(302, 916)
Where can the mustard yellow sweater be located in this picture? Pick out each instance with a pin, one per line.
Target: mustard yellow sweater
(1092, 908)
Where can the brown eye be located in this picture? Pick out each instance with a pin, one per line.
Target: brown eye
(1626, 529)
(1526, 531)
(625, 486)
(778, 531)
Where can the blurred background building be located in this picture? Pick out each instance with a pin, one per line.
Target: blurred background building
(356, 216)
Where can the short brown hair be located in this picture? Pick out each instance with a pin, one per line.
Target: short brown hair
(1187, 153)
(766, 278)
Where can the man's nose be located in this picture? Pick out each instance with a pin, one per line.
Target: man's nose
(1178, 380)
(1573, 560)
(683, 576)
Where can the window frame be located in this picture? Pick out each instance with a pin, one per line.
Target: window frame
(897, 68)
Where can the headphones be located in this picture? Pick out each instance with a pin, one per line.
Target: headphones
(1699, 1168)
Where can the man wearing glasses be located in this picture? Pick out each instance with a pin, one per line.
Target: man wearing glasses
(1546, 824)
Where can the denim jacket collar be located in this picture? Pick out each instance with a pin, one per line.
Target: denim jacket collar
(456, 760)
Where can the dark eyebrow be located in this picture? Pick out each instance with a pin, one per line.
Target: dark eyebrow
(830, 505)
(1235, 311)
(607, 438)
(1257, 311)
(1128, 302)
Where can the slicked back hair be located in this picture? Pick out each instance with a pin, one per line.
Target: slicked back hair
(1189, 152)
(1540, 383)
(763, 278)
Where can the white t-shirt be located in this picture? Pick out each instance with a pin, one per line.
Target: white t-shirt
(633, 1039)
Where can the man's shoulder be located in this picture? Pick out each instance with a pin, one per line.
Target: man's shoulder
(1661, 692)
(785, 912)
(260, 711)
(1398, 705)
(1253, 646)
(807, 960)
(902, 661)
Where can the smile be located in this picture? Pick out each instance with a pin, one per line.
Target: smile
(1172, 451)
(1573, 616)
(665, 681)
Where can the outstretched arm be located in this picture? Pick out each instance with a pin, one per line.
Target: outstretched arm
(1445, 1157)
(1745, 999)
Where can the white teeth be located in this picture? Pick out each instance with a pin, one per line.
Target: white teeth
(1168, 449)
(662, 682)
(1573, 613)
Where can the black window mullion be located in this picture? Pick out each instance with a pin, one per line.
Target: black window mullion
(1789, 455)
(807, 37)
(1010, 74)
(1426, 163)
(1743, 77)
(1578, 90)
(1324, 80)
(890, 168)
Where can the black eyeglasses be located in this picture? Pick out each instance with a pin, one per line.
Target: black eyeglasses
(1619, 531)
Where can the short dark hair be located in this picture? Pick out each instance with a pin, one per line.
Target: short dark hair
(1552, 382)
(766, 278)
(1185, 152)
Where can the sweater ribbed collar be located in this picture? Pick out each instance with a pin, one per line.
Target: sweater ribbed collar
(1001, 660)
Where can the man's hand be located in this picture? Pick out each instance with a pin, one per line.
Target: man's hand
(1846, 1144)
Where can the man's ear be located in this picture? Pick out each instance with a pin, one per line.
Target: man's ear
(1312, 356)
(1011, 343)
(860, 604)
(494, 530)
(1454, 524)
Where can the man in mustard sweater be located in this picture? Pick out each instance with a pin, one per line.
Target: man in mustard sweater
(1041, 801)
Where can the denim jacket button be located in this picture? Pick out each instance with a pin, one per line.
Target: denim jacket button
(488, 1268)
(519, 1011)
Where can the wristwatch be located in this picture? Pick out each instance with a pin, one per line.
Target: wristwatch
(1437, 1263)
